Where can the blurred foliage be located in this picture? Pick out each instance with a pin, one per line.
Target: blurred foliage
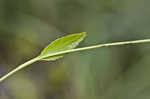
(26, 26)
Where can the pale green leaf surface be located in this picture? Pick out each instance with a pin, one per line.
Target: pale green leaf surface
(62, 44)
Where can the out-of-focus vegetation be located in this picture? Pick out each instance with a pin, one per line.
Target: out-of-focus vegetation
(26, 26)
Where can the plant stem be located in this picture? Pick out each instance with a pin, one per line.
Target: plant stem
(20, 67)
(97, 46)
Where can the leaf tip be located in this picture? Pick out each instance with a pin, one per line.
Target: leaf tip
(84, 33)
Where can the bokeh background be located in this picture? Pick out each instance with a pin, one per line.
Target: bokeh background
(27, 26)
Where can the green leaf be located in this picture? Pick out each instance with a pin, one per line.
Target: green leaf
(62, 44)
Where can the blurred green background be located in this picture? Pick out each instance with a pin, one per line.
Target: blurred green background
(27, 26)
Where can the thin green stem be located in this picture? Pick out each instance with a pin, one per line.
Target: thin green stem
(97, 46)
(20, 67)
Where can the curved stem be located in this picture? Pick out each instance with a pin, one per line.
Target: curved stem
(20, 67)
(96, 46)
